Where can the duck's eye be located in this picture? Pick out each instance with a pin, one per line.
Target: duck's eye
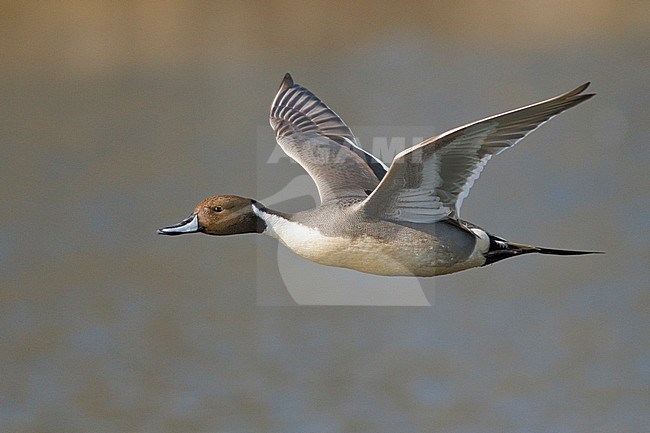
(217, 208)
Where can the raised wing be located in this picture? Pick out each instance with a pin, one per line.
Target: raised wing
(316, 137)
(429, 181)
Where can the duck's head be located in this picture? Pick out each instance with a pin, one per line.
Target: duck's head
(219, 215)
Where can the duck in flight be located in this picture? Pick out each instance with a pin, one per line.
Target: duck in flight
(402, 219)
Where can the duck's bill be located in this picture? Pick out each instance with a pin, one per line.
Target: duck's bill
(188, 225)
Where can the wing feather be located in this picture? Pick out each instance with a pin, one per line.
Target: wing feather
(316, 137)
(429, 181)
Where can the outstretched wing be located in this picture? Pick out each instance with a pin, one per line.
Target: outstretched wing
(429, 181)
(316, 137)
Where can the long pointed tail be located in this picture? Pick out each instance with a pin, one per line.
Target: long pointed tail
(502, 249)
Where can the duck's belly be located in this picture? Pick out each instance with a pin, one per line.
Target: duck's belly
(365, 254)
(410, 253)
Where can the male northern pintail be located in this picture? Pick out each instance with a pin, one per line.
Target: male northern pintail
(397, 220)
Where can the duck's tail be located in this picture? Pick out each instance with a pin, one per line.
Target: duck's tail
(502, 249)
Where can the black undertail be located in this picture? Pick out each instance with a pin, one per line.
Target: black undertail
(502, 249)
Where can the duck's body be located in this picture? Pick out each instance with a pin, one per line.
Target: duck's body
(402, 220)
(353, 240)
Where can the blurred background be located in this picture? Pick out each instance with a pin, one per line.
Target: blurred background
(118, 117)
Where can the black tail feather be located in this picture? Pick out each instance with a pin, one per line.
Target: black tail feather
(565, 252)
(502, 249)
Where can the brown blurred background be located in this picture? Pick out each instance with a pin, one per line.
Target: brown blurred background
(117, 117)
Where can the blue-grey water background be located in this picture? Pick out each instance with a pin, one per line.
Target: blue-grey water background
(118, 118)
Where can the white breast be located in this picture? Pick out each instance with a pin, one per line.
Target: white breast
(307, 241)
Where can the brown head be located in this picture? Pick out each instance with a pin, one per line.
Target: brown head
(219, 215)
